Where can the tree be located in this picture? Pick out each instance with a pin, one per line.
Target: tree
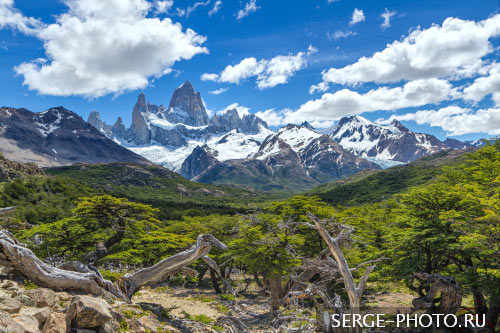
(105, 227)
(268, 245)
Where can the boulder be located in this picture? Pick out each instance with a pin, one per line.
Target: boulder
(9, 305)
(29, 323)
(88, 312)
(43, 297)
(8, 325)
(40, 314)
(56, 323)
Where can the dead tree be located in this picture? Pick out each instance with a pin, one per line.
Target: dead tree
(354, 292)
(88, 279)
(429, 287)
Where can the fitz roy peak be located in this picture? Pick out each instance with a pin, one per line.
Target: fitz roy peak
(168, 135)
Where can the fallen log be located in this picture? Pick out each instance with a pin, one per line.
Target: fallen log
(86, 278)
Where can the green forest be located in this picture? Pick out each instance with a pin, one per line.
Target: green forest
(436, 217)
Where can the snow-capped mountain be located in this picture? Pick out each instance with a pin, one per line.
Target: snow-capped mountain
(57, 137)
(384, 144)
(167, 136)
(295, 156)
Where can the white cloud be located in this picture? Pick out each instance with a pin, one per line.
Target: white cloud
(357, 16)
(386, 16)
(11, 17)
(250, 7)
(101, 47)
(456, 120)
(209, 77)
(273, 117)
(340, 34)
(269, 72)
(164, 6)
(485, 86)
(332, 106)
(218, 91)
(215, 8)
(242, 110)
(192, 8)
(451, 50)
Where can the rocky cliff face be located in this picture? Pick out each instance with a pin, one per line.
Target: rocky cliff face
(57, 137)
(139, 129)
(231, 120)
(198, 161)
(186, 107)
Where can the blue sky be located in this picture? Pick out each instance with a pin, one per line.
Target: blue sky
(427, 92)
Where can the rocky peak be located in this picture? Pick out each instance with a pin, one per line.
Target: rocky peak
(186, 106)
(307, 125)
(139, 127)
(141, 103)
(200, 159)
(399, 126)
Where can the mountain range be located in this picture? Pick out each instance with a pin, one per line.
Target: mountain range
(57, 137)
(230, 146)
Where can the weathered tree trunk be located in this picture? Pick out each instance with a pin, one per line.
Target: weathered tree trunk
(132, 282)
(354, 292)
(275, 287)
(88, 279)
(215, 282)
(24, 260)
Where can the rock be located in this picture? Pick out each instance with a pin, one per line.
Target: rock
(7, 284)
(43, 297)
(64, 297)
(200, 159)
(111, 326)
(9, 305)
(8, 325)
(56, 323)
(139, 128)
(30, 324)
(25, 300)
(40, 314)
(88, 312)
(186, 107)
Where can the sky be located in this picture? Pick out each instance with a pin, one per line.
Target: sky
(433, 65)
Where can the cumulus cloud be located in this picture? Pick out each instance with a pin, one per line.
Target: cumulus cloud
(333, 106)
(250, 7)
(12, 18)
(340, 34)
(242, 110)
(357, 16)
(164, 6)
(218, 91)
(101, 47)
(484, 86)
(269, 72)
(386, 16)
(209, 77)
(344, 102)
(215, 8)
(456, 120)
(451, 50)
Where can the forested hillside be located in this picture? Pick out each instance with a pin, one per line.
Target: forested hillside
(400, 229)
